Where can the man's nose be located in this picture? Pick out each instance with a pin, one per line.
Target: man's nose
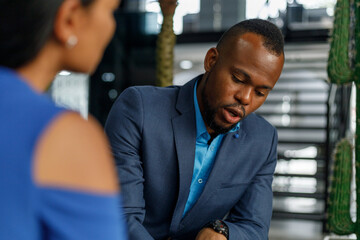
(243, 95)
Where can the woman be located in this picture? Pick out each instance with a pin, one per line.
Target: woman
(57, 179)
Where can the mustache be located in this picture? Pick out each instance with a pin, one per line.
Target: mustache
(239, 106)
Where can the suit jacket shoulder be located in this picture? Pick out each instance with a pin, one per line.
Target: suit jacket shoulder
(256, 126)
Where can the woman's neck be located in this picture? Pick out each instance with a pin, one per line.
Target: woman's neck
(40, 72)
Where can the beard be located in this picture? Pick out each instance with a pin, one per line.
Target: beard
(210, 112)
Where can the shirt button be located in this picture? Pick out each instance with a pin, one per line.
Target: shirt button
(212, 149)
(200, 180)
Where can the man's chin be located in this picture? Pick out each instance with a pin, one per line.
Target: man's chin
(221, 129)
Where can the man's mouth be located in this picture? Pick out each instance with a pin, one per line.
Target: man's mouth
(233, 114)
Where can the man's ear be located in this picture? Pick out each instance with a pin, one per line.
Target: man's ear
(66, 20)
(210, 59)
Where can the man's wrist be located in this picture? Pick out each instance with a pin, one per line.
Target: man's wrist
(219, 226)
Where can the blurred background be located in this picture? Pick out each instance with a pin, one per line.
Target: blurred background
(309, 113)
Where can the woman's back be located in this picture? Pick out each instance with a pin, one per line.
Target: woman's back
(24, 115)
(40, 197)
(57, 175)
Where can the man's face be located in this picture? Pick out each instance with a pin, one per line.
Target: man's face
(237, 81)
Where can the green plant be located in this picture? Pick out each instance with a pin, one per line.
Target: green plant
(341, 71)
(339, 220)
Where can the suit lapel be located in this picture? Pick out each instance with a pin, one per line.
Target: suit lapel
(184, 128)
(227, 157)
(228, 154)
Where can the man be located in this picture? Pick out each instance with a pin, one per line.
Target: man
(194, 161)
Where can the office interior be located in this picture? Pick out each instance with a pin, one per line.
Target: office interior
(310, 113)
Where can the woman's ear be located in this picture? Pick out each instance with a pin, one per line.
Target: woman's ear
(210, 59)
(66, 21)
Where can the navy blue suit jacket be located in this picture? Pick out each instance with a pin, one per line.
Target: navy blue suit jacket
(153, 132)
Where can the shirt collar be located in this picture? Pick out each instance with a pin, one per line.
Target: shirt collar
(200, 125)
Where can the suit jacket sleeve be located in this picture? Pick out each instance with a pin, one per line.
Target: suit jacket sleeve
(250, 217)
(124, 129)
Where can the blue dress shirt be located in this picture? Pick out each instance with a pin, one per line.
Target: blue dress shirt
(204, 156)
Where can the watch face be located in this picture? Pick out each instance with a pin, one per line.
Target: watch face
(220, 227)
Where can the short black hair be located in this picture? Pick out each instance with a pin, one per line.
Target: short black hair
(272, 36)
(26, 25)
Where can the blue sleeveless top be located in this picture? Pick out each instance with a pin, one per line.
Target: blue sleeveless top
(29, 211)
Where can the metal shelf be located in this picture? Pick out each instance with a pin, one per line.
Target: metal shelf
(296, 215)
(316, 195)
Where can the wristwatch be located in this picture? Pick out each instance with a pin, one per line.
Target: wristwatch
(219, 227)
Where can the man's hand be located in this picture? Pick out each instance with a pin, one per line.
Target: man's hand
(168, 7)
(209, 234)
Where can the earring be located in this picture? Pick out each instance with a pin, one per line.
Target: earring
(71, 41)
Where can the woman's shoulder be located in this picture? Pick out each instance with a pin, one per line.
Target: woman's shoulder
(73, 153)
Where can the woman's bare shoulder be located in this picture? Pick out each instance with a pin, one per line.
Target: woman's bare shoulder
(74, 153)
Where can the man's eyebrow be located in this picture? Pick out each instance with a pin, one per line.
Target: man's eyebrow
(248, 78)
